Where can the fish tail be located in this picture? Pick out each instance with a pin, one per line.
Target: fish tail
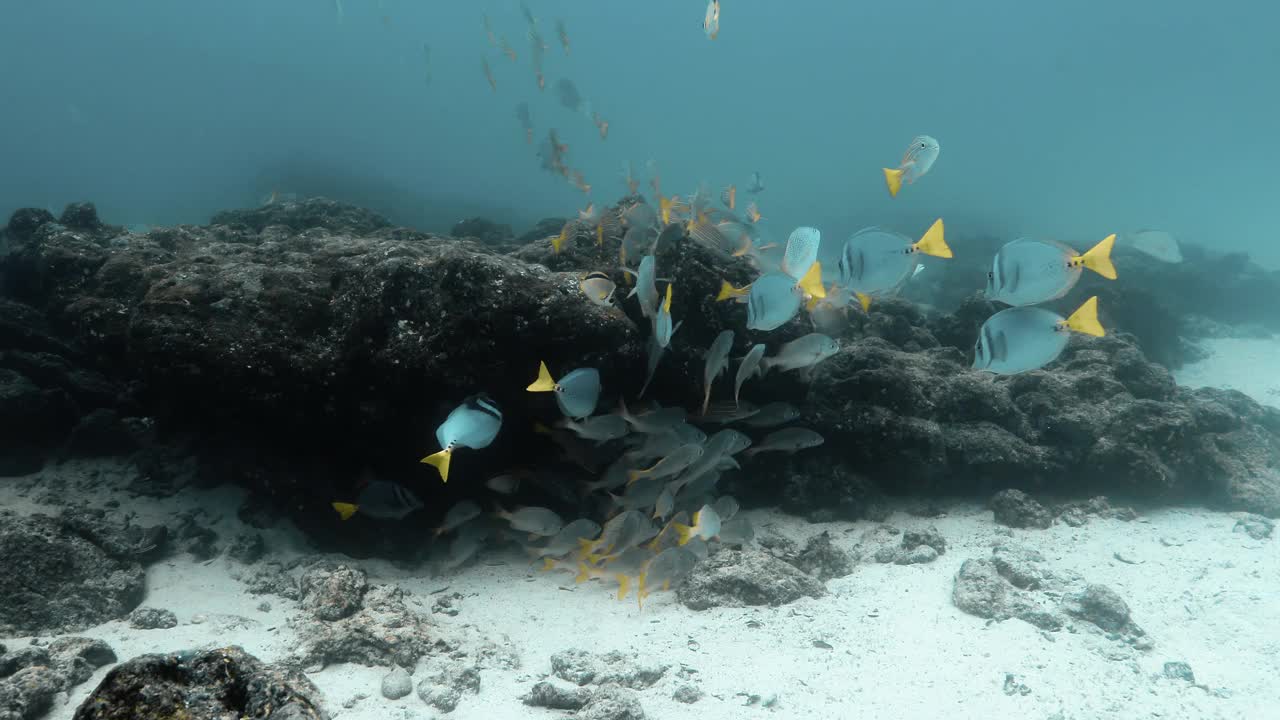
(893, 179)
(548, 564)
(728, 291)
(684, 533)
(440, 461)
(1085, 319)
(641, 593)
(345, 510)
(706, 399)
(583, 574)
(933, 243)
(864, 300)
(811, 283)
(544, 383)
(1098, 259)
(634, 475)
(624, 585)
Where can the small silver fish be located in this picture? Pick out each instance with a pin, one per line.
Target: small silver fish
(462, 512)
(706, 526)
(725, 413)
(801, 353)
(673, 464)
(748, 367)
(717, 362)
(664, 505)
(504, 484)
(566, 541)
(639, 495)
(774, 413)
(646, 289)
(726, 507)
(662, 328)
(788, 440)
(654, 421)
(533, 520)
(601, 428)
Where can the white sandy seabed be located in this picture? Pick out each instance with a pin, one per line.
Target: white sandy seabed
(1204, 594)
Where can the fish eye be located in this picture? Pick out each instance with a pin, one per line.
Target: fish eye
(991, 275)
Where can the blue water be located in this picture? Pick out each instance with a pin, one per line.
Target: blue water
(1069, 120)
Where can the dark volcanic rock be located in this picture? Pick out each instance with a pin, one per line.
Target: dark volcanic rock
(333, 593)
(1016, 509)
(305, 215)
(247, 548)
(147, 618)
(612, 703)
(737, 578)
(492, 234)
(59, 580)
(222, 683)
(444, 686)
(556, 696)
(81, 216)
(28, 694)
(383, 632)
(613, 668)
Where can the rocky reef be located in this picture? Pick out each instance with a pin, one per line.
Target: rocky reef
(302, 342)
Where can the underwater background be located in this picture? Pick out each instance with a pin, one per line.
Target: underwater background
(1068, 120)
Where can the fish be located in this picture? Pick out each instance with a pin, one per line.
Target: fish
(876, 261)
(665, 569)
(673, 464)
(668, 237)
(801, 251)
(507, 50)
(528, 15)
(726, 507)
(916, 161)
(601, 124)
(1030, 272)
(532, 520)
(737, 531)
(464, 547)
(637, 241)
(662, 328)
(776, 297)
(566, 541)
(462, 512)
(725, 413)
(706, 526)
(717, 362)
(788, 440)
(1158, 244)
(568, 94)
(771, 414)
(576, 393)
(654, 421)
(505, 484)
(753, 213)
(623, 568)
(563, 34)
(829, 315)
(653, 356)
(803, 352)
(381, 499)
(488, 74)
(665, 504)
(569, 230)
(723, 444)
(729, 196)
(711, 21)
(526, 122)
(473, 424)
(589, 215)
(488, 29)
(1019, 339)
(646, 289)
(601, 428)
(598, 288)
(701, 229)
(757, 184)
(624, 531)
(748, 367)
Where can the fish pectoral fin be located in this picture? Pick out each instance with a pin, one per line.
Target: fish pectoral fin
(544, 383)
(1085, 319)
(1098, 258)
(345, 510)
(933, 242)
(893, 180)
(440, 461)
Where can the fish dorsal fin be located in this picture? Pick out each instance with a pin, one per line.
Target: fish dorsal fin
(1085, 319)
(933, 242)
(811, 283)
(544, 383)
(1098, 258)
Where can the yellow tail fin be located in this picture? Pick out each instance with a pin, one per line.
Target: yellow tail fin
(893, 178)
(440, 461)
(544, 383)
(1098, 259)
(808, 306)
(864, 300)
(583, 575)
(548, 563)
(666, 304)
(811, 283)
(641, 592)
(728, 291)
(600, 234)
(624, 584)
(345, 510)
(684, 533)
(557, 242)
(1085, 319)
(933, 242)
